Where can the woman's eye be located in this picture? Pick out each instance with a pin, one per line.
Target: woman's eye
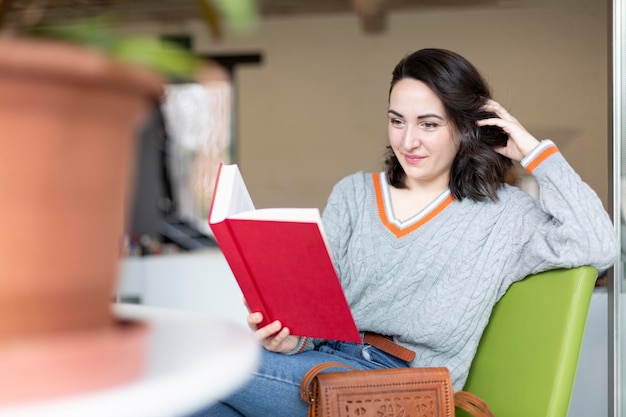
(396, 122)
(429, 126)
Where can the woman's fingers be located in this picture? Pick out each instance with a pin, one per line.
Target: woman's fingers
(495, 107)
(275, 340)
(268, 331)
(253, 320)
(494, 121)
(521, 142)
(274, 337)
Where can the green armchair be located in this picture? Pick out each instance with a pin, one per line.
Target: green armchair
(526, 361)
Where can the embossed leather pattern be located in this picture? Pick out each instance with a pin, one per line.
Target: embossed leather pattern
(425, 392)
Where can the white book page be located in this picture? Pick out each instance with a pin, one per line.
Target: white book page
(309, 215)
(231, 196)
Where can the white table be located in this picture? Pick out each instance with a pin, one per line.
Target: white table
(193, 360)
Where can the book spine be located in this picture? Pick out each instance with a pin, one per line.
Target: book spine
(235, 259)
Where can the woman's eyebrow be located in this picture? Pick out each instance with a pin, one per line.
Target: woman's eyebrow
(423, 116)
(426, 116)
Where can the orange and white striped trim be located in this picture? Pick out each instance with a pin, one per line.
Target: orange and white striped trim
(385, 213)
(543, 151)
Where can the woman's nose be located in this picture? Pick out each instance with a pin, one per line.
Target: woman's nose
(411, 138)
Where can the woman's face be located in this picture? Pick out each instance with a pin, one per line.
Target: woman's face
(422, 138)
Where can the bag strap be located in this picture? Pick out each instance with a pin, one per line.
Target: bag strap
(305, 384)
(472, 403)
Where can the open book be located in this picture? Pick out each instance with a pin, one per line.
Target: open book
(281, 262)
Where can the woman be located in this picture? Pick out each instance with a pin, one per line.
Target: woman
(426, 248)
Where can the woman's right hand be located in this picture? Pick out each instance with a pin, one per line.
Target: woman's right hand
(273, 337)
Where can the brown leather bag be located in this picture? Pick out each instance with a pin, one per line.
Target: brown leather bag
(394, 392)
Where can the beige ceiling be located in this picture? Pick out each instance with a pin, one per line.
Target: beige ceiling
(177, 10)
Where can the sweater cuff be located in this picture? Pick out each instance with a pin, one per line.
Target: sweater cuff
(539, 154)
(305, 343)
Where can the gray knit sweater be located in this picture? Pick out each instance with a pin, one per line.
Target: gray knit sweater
(432, 280)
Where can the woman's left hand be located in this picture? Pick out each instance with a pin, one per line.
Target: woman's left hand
(520, 142)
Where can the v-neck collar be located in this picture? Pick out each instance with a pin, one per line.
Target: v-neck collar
(385, 208)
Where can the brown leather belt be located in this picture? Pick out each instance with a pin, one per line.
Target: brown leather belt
(387, 345)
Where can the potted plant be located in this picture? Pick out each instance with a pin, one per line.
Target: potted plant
(69, 112)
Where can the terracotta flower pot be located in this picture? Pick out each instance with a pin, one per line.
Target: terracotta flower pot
(68, 122)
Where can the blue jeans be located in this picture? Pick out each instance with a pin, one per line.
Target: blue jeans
(274, 389)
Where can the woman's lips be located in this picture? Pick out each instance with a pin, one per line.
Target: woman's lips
(413, 159)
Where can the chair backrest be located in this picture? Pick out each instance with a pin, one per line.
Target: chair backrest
(526, 361)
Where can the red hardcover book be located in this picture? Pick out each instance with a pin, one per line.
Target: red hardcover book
(281, 262)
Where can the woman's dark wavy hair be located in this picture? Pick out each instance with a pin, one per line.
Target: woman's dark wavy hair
(477, 170)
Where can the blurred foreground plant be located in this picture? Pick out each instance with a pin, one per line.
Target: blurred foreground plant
(164, 57)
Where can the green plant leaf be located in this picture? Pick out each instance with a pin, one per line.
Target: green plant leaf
(165, 57)
(240, 15)
(210, 15)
